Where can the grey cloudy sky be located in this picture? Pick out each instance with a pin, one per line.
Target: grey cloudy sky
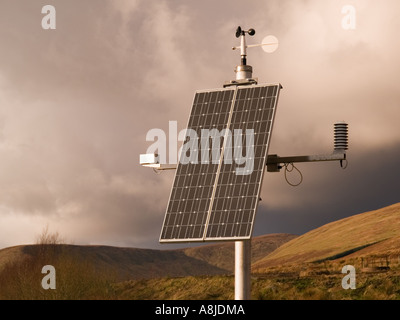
(77, 102)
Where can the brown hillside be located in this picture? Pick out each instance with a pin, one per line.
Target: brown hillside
(133, 263)
(389, 247)
(125, 263)
(377, 230)
(11, 255)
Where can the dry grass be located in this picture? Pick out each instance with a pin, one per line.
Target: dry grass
(184, 288)
(379, 286)
(76, 278)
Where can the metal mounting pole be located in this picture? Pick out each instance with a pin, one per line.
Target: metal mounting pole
(244, 72)
(243, 270)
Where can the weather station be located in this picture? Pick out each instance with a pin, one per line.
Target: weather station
(216, 200)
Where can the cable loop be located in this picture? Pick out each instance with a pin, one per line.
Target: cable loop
(289, 167)
(344, 163)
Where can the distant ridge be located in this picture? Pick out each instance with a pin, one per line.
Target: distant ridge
(374, 232)
(133, 263)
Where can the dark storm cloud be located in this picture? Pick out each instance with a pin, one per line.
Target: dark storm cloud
(77, 102)
(328, 193)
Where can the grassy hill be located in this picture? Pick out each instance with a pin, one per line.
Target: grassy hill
(307, 267)
(105, 272)
(376, 231)
(283, 266)
(133, 263)
(126, 263)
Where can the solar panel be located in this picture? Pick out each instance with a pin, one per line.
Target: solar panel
(219, 176)
(192, 190)
(238, 189)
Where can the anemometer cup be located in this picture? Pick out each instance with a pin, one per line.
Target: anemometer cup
(240, 32)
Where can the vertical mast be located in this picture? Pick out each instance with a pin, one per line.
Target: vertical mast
(243, 247)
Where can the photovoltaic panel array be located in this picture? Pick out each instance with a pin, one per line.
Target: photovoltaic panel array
(216, 189)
